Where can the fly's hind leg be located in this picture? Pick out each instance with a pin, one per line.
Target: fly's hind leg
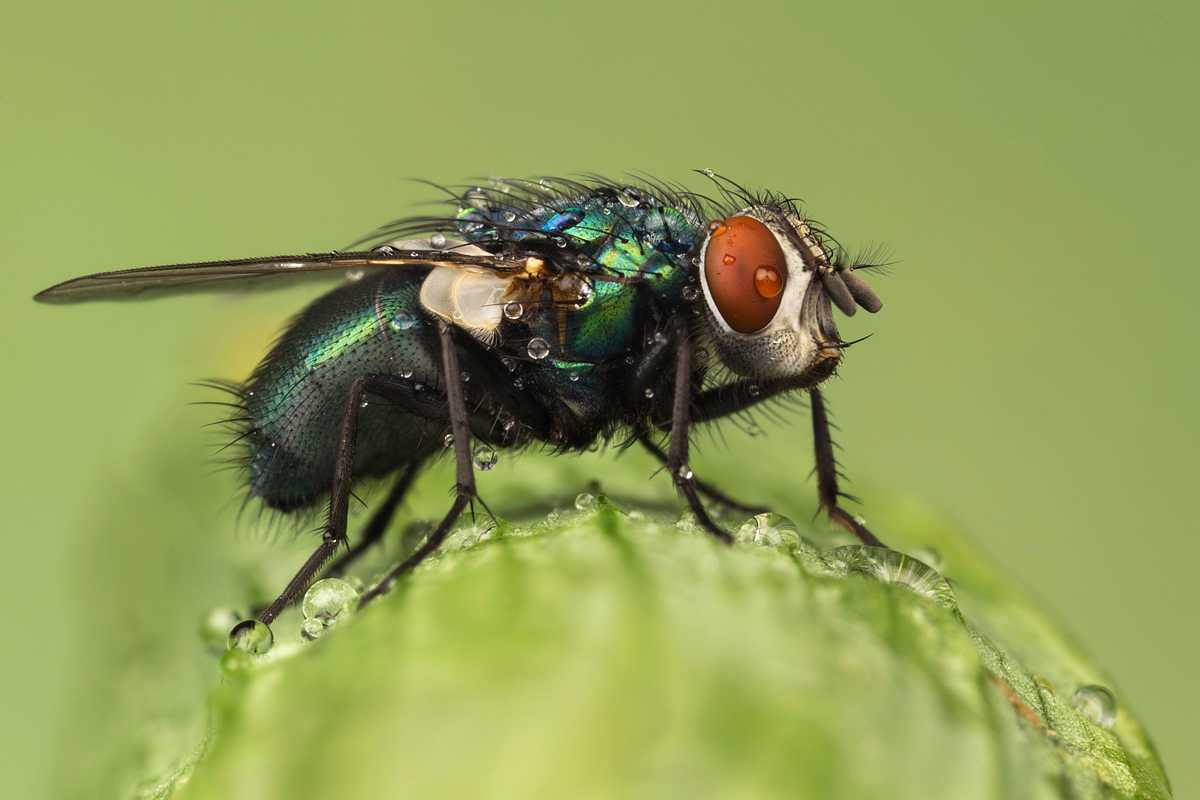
(379, 522)
(334, 533)
(677, 455)
(464, 470)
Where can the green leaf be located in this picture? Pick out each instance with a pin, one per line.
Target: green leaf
(613, 651)
(609, 654)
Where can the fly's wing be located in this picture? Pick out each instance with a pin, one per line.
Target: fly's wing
(256, 273)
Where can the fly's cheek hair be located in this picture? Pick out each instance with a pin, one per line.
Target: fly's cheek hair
(746, 272)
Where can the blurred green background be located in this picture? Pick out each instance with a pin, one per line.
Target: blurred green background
(1031, 168)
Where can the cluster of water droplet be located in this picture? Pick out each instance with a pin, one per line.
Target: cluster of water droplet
(773, 530)
(892, 566)
(403, 320)
(484, 456)
(467, 536)
(326, 604)
(1096, 704)
(251, 637)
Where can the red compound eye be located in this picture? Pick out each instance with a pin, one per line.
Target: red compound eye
(746, 272)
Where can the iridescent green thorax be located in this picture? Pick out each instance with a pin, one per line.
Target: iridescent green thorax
(629, 240)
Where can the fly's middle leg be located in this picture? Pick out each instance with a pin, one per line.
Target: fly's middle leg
(705, 488)
(460, 429)
(677, 454)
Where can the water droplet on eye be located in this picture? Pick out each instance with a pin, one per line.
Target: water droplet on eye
(891, 566)
(768, 282)
(513, 310)
(437, 241)
(1096, 704)
(484, 456)
(769, 529)
(354, 274)
(538, 348)
(708, 173)
(403, 320)
(685, 472)
(649, 393)
(448, 440)
(729, 259)
(690, 293)
(716, 227)
(251, 636)
(406, 372)
(573, 376)
(754, 391)
(584, 501)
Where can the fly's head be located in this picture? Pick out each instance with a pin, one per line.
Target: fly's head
(770, 283)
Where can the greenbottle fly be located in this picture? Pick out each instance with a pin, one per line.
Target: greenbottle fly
(558, 313)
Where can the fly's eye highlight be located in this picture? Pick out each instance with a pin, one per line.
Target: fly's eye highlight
(746, 272)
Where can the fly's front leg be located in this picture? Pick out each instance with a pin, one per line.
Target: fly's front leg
(464, 487)
(827, 474)
(741, 395)
(677, 455)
